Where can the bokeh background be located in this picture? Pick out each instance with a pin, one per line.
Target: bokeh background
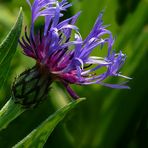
(109, 118)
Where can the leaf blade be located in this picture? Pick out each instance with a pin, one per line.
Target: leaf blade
(9, 112)
(39, 136)
(8, 48)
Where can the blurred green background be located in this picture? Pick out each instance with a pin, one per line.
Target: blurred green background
(109, 118)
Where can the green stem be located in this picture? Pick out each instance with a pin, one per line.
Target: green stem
(9, 112)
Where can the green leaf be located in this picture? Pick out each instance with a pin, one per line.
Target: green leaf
(9, 112)
(39, 136)
(8, 48)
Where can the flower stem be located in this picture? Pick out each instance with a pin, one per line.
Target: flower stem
(9, 112)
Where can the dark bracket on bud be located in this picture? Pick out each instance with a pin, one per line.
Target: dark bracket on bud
(31, 87)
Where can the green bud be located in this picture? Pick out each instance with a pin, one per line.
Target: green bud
(31, 87)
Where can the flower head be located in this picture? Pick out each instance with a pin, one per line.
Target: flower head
(66, 58)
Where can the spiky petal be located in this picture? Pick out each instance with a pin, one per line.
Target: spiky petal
(68, 59)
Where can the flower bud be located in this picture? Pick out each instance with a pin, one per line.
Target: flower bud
(31, 87)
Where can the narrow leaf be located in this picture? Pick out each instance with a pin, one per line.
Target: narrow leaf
(39, 136)
(9, 112)
(8, 48)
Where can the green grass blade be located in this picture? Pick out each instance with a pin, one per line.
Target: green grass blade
(9, 112)
(8, 48)
(39, 136)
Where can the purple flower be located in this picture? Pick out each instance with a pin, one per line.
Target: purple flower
(63, 54)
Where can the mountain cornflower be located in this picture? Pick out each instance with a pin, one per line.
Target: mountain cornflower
(62, 55)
